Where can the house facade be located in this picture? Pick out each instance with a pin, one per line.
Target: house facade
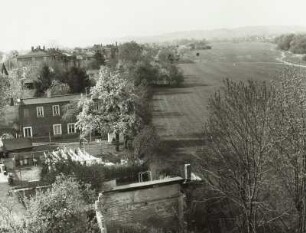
(42, 117)
(40, 55)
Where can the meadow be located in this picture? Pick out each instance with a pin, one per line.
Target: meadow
(180, 113)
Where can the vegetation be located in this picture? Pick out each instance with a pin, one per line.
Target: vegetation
(94, 174)
(77, 80)
(111, 106)
(5, 90)
(98, 62)
(58, 81)
(238, 150)
(44, 81)
(254, 154)
(67, 206)
(295, 43)
(63, 208)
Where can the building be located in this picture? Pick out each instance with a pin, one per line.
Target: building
(152, 204)
(38, 56)
(42, 117)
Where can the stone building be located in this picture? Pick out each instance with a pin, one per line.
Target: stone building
(40, 55)
(154, 204)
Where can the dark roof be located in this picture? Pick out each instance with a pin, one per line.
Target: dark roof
(53, 99)
(147, 184)
(16, 144)
(41, 54)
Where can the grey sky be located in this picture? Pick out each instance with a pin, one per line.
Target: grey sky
(82, 22)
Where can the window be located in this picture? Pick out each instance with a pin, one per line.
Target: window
(71, 128)
(27, 132)
(97, 105)
(40, 111)
(56, 110)
(57, 129)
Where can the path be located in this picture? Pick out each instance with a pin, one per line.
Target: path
(283, 61)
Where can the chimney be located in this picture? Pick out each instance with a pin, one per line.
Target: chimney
(32, 48)
(44, 48)
(187, 172)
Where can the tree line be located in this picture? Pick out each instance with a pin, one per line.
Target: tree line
(295, 43)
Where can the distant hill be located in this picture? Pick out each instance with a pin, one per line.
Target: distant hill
(220, 34)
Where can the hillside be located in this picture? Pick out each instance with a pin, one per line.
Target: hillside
(220, 34)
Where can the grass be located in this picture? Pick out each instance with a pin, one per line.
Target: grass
(180, 113)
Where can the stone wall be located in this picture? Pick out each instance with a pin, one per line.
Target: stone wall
(159, 207)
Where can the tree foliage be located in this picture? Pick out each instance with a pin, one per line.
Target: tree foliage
(44, 81)
(111, 106)
(60, 209)
(295, 43)
(289, 131)
(130, 52)
(5, 90)
(77, 80)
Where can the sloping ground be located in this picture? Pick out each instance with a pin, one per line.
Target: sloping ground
(180, 113)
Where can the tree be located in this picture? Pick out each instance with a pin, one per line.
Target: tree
(63, 208)
(146, 143)
(44, 81)
(289, 131)
(175, 76)
(144, 73)
(10, 222)
(77, 80)
(99, 60)
(283, 41)
(111, 106)
(237, 149)
(5, 90)
(130, 52)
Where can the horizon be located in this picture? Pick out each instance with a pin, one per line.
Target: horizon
(83, 23)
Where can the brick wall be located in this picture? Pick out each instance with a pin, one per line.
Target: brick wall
(160, 207)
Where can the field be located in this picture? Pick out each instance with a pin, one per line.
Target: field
(179, 113)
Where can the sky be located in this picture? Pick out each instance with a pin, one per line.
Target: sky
(26, 23)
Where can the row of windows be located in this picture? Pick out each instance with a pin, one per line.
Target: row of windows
(55, 110)
(57, 130)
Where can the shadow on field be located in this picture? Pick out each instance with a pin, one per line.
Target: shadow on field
(161, 114)
(183, 143)
(176, 91)
(191, 85)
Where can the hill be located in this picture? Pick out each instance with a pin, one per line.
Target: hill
(220, 34)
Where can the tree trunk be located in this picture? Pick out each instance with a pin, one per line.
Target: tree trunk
(117, 141)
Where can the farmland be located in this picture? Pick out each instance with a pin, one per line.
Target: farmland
(179, 113)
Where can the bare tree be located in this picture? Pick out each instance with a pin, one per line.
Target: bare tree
(236, 153)
(289, 133)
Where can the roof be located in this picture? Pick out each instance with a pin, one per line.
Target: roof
(35, 54)
(53, 99)
(147, 184)
(16, 144)
(41, 53)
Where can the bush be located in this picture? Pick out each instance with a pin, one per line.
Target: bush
(94, 175)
